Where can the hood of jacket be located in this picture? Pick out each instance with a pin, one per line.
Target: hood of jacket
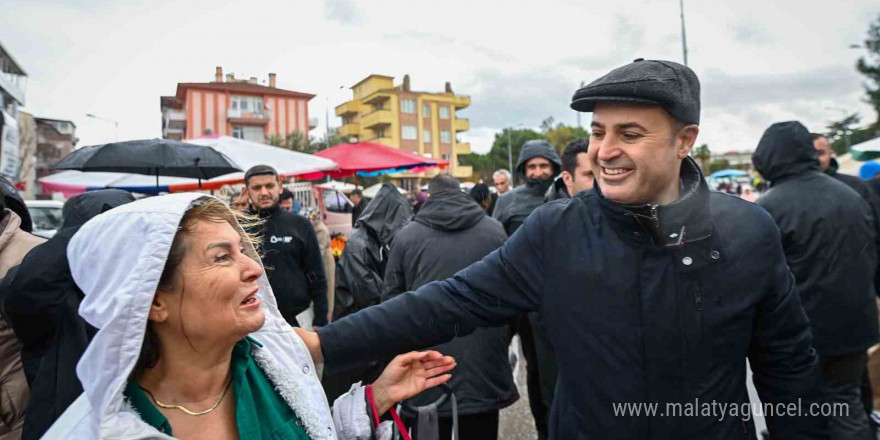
(116, 259)
(538, 148)
(81, 208)
(785, 150)
(385, 214)
(450, 211)
(14, 202)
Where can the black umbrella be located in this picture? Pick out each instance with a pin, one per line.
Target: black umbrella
(153, 157)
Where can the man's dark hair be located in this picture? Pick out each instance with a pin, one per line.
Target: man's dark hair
(480, 192)
(356, 192)
(259, 170)
(815, 136)
(285, 195)
(569, 156)
(443, 182)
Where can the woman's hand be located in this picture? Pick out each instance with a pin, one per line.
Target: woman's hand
(410, 374)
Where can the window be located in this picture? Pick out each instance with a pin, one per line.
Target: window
(445, 137)
(426, 111)
(380, 132)
(426, 135)
(253, 134)
(335, 202)
(445, 156)
(408, 106)
(247, 104)
(444, 112)
(410, 132)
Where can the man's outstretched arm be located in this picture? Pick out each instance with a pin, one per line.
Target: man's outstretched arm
(487, 293)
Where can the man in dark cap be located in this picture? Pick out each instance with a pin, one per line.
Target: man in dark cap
(290, 249)
(655, 290)
(829, 239)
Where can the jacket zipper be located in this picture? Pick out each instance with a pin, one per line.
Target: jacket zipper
(655, 216)
(698, 300)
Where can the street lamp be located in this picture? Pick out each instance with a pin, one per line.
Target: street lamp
(90, 115)
(510, 156)
(684, 44)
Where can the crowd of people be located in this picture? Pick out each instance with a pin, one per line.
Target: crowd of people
(623, 276)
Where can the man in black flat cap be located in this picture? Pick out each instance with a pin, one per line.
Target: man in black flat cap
(654, 290)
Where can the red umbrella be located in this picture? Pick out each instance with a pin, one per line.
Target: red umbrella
(367, 156)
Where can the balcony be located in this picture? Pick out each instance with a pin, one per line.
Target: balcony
(175, 118)
(237, 116)
(462, 148)
(382, 140)
(463, 171)
(350, 130)
(378, 118)
(461, 102)
(349, 108)
(377, 98)
(462, 125)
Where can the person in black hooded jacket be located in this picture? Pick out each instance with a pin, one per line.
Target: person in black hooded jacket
(361, 269)
(449, 233)
(41, 301)
(655, 290)
(538, 165)
(829, 240)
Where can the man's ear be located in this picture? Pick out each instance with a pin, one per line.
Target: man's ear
(685, 140)
(567, 178)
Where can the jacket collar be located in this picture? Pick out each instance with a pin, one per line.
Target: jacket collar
(668, 226)
(265, 213)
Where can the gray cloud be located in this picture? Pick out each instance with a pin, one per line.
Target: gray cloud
(500, 99)
(751, 33)
(439, 39)
(629, 39)
(341, 11)
(736, 93)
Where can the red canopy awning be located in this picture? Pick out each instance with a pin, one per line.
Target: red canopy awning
(368, 157)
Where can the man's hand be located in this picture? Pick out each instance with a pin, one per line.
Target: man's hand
(313, 342)
(410, 374)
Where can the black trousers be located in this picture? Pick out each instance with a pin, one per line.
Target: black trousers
(480, 426)
(521, 326)
(841, 385)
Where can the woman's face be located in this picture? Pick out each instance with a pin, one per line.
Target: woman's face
(214, 295)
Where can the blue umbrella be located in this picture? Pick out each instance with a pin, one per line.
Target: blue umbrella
(721, 174)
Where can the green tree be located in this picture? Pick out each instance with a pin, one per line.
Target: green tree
(869, 66)
(837, 130)
(297, 141)
(486, 164)
(718, 165)
(703, 154)
(561, 135)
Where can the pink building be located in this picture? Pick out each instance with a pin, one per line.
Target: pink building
(234, 107)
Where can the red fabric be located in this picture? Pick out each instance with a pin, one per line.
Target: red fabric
(375, 411)
(367, 156)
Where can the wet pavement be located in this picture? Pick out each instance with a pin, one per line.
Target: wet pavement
(516, 420)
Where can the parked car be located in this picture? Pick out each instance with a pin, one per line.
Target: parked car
(46, 216)
(334, 205)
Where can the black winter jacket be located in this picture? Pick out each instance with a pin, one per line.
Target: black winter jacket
(632, 321)
(557, 191)
(828, 236)
(514, 206)
(41, 302)
(294, 265)
(449, 233)
(361, 267)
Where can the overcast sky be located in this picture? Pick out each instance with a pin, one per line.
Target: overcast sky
(520, 61)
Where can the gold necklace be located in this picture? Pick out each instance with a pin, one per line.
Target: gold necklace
(184, 409)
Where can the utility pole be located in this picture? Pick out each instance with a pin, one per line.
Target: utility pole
(684, 44)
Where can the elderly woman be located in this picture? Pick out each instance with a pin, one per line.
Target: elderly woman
(190, 343)
(323, 234)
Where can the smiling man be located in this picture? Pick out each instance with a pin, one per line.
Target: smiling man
(654, 290)
(290, 249)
